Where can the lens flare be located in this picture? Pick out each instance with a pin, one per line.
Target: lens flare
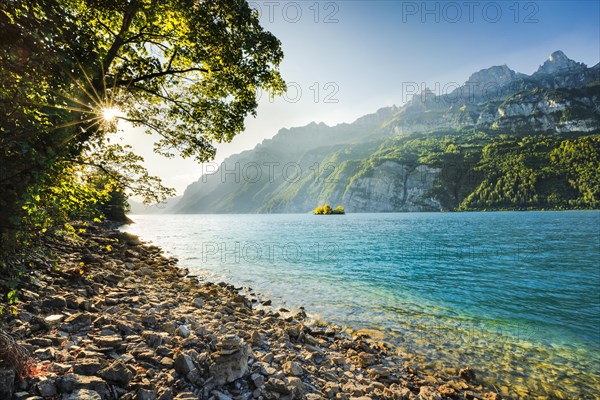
(110, 114)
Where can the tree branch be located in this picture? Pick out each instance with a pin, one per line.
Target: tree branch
(172, 58)
(107, 28)
(145, 123)
(119, 41)
(158, 75)
(114, 175)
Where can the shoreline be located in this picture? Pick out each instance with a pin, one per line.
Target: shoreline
(118, 319)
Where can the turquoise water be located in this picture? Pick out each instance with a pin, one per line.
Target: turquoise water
(515, 295)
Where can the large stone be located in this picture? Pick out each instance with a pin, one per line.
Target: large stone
(221, 396)
(184, 364)
(183, 331)
(40, 342)
(296, 386)
(108, 341)
(88, 366)
(378, 372)
(293, 368)
(258, 380)
(145, 394)
(54, 319)
(82, 394)
(7, 383)
(47, 387)
(76, 322)
(228, 368)
(60, 368)
(256, 338)
(229, 344)
(57, 302)
(70, 383)
(116, 372)
(45, 354)
(153, 339)
(198, 302)
(366, 359)
(195, 377)
(331, 389)
(277, 385)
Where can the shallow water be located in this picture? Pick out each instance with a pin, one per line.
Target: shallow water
(515, 295)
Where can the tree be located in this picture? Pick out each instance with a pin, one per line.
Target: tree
(187, 71)
(327, 209)
(581, 161)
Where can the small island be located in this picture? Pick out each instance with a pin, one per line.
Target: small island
(327, 210)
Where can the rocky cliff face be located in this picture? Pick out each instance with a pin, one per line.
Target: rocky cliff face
(392, 187)
(561, 96)
(550, 111)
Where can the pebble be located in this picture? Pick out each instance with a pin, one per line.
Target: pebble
(54, 319)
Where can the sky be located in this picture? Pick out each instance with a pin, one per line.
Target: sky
(345, 59)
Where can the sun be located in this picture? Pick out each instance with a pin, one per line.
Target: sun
(110, 114)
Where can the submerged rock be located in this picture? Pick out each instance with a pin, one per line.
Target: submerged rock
(467, 374)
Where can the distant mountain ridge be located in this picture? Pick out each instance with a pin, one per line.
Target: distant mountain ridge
(300, 168)
(558, 62)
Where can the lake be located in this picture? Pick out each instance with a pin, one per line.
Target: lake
(514, 295)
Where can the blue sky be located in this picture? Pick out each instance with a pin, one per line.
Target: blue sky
(344, 59)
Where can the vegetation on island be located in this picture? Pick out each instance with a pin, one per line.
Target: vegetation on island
(187, 72)
(326, 209)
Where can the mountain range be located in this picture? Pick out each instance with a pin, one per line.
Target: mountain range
(502, 140)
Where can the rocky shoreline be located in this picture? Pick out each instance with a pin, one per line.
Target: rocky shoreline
(116, 319)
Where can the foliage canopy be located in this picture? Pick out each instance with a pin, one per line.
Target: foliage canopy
(326, 209)
(187, 71)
